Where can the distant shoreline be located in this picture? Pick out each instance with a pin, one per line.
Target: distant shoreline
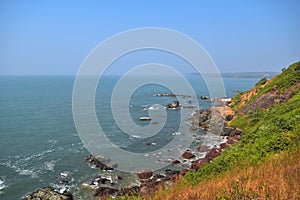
(224, 75)
(243, 74)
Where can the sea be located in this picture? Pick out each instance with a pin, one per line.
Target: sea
(39, 143)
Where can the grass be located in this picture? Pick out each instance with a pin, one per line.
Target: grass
(264, 164)
(277, 178)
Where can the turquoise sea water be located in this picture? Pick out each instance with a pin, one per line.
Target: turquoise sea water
(38, 139)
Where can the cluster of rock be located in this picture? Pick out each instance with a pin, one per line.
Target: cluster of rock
(101, 162)
(148, 182)
(171, 95)
(49, 193)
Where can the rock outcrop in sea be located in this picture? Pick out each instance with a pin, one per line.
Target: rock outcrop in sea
(49, 193)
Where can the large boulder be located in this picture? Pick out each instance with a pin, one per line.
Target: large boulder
(202, 148)
(173, 105)
(196, 164)
(101, 162)
(49, 193)
(188, 155)
(146, 174)
(215, 152)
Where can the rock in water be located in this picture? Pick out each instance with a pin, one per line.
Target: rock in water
(101, 162)
(188, 155)
(48, 193)
(173, 105)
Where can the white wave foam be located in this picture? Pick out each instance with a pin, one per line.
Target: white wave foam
(38, 155)
(25, 172)
(49, 166)
(21, 171)
(2, 184)
(135, 136)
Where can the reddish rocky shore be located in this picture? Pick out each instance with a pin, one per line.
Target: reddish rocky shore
(149, 181)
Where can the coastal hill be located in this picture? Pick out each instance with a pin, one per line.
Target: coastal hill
(243, 74)
(265, 163)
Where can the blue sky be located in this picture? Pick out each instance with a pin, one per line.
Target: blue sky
(54, 37)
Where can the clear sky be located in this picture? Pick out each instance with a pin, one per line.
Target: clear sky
(53, 37)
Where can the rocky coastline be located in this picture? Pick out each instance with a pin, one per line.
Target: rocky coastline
(147, 181)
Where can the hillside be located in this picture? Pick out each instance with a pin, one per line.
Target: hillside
(265, 163)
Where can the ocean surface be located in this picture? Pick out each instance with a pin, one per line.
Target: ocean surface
(39, 145)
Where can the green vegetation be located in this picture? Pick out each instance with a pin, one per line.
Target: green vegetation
(265, 132)
(261, 82)
(285, 80)
(265, 163)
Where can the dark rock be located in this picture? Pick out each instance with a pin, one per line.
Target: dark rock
(196, 164)
(213, 153)
(101, 162)
(204, 97)
(188, 155)
(173, 105)
(175, 162)
(229, 117)
(146, 174)
(170, 172)
(49, 193)
(202, 148)
(223, 145)
(159, 176)
(228, 131)
(237, 132)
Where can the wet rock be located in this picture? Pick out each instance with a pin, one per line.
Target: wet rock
(173, 105)
(196, 164)
(165, 95)
(101, 162)
(202, 148)
(146, 174)
(49, 193)
(223, 145)
(175, 162)
(145, 118)
(188, 155)
(204, 97)
(213, 153)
